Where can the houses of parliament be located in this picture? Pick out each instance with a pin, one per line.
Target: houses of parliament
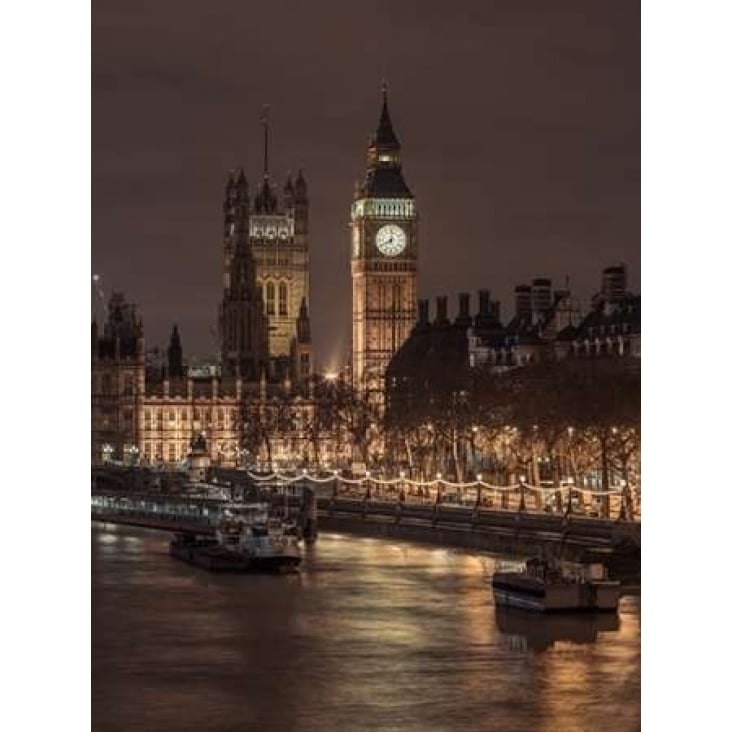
(261, 400)
(151, 412)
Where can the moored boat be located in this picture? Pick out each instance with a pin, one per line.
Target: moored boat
(247, 540)
(552, 586)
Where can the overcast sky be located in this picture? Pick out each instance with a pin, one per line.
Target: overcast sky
(519, 123)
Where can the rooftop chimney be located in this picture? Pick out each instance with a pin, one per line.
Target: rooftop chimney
(541, 295)
(523, 300)
(614, 282)
(464, 309)
(484, 303)
(424, 313)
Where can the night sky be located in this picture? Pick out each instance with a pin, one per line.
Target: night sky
(519, 123)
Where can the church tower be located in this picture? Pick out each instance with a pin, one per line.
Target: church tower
(383, 259)
(241, 319)
(280, 242)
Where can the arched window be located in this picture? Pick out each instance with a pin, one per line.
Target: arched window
(270, 299)
(283, 299)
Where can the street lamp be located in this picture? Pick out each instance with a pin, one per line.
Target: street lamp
(623, 501)
(522, 501)
(570, 483)
(479, 491)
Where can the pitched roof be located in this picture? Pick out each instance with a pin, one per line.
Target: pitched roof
(386, 183)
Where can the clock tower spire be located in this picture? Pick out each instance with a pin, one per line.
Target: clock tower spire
(383, 259)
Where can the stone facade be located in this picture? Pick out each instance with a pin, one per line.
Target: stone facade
(279, 237)
(242, 323)
(383, 260)
(152, 413)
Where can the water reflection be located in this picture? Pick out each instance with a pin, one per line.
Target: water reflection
(541, 632)
(371, 635)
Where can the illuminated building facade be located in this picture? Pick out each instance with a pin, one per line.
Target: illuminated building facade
(150, 413)
(144, 413)
(279, 239)
(383, 260)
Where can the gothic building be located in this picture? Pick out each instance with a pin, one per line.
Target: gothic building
(266, 274)
(383, 259)
(118, 377)
(145, 412)
(242, 324)
(151, 413)
(279, 237)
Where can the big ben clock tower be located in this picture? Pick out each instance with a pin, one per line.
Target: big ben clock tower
(383, 259)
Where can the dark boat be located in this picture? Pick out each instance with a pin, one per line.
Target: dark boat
(546, 585)
(247, 540)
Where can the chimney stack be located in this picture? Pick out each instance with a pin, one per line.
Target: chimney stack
(614, 282)
(541, 295)
(484, 303)
(464, 309)
(523, 300)
(424, 313)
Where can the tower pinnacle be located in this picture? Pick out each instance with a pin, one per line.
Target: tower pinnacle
(385, 136)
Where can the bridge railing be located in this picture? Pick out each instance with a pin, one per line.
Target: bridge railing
(161, 509)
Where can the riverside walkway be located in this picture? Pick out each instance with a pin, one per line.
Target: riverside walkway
(514, 530)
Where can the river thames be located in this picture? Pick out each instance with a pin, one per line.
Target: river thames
(370, 635)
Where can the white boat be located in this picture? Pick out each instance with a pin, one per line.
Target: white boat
(247, 540)
(552, 586)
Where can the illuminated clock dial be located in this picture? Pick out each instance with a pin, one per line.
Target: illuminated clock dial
(391, 240)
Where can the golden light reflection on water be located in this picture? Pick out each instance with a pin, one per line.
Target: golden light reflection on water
(371, 635)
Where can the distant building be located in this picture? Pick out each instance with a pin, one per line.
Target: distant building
(266, 274)
(383, 259)
(540, 314)
(152, 406)
(611, 328)
(242, 323)
(151, 411)
(118, 377)
(434, 363)
(279, 233)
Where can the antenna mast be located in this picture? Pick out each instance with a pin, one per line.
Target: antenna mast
(265, 123)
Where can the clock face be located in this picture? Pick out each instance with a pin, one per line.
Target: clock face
(391, 240)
